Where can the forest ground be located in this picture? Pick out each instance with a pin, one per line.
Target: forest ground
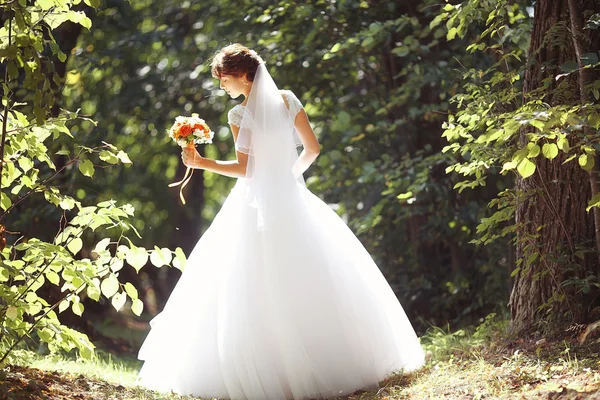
(482, 363)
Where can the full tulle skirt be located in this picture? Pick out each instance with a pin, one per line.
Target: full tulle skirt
(278, 302)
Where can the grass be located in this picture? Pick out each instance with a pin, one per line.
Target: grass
(480, 363)
(115, 370)
(62, 377)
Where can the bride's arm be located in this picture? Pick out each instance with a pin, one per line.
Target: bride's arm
(309, 141)
(232, 168)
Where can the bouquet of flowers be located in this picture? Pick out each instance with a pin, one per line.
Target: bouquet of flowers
(187, 132)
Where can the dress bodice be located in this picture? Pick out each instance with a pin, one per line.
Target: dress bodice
(234, 117)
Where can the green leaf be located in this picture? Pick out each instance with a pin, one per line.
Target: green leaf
(563, 144)
(404, 196)
(131, 291)
(101, 245)
(106, 204)
(45, 335)
(180, 259)
(63, 306)
(137, 257)
(25, 163)
(509, 165)
(67, 203)
(85, 352)
(538, 124)
(123, 157)
(594, 202)
(116, 264)
(160, 257)
(451, 33)
(31, 297)
(80, 18)
(589, 59)
(54, 20)
(56, 50)
(109, 286)
(77, 308)
(53, 277)
(93, 292)
(118, 301)
(137, 307)
(594, 118)
(534, 150)
(109, 157)
(586, 161)
(550, 150)
(12, 312)
(5, 201)
(327, 56)
(569, 159)
(526, 168)
(569, 66)
(45, 4)
(75, 245)
(87, 168)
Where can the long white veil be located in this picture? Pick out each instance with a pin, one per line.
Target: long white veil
(268, 136)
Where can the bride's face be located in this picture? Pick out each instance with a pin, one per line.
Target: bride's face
(235, 85)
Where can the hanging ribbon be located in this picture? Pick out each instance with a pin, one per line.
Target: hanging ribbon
(186, 179)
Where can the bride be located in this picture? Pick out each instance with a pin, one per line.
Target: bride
(279, 299)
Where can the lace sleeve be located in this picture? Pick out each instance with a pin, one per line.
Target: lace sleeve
(293, 103)
(234, 116)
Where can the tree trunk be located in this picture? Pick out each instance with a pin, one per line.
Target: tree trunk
(551, 217)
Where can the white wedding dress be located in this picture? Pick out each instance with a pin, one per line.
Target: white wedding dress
(278, 302)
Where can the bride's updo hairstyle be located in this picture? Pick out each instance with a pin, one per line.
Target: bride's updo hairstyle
(235, 60)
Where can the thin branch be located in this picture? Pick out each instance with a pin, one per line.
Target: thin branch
(6, 107)
(32, 191)
(76, 291)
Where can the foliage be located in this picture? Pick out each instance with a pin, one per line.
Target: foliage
(443, 344)
(33, 267)
(494, 94)
(498, 130)
(376, 81)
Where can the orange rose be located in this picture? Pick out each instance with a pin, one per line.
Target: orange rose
(185, 131)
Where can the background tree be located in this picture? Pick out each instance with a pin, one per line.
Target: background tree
(536, 131)
(554, 225)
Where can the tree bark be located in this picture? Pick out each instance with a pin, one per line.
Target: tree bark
(585, 78)
(551, 217)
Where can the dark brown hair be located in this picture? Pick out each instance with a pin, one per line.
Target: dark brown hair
(236, 60)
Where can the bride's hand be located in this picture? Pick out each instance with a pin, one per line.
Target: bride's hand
(191, 158)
